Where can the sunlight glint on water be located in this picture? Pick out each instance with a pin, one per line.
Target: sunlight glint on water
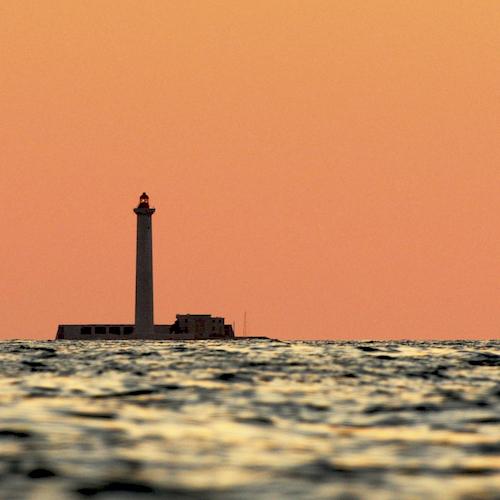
(250, 419)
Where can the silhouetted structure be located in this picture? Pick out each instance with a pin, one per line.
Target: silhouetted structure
(144, 322)
(186, 326)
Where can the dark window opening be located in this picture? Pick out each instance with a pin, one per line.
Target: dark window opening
(100, 329)
(127, 330)
(85, 330)
(115, 330)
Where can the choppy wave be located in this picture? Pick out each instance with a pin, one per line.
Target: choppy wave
(250, 419)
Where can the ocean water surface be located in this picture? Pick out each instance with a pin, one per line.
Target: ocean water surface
(249, 420)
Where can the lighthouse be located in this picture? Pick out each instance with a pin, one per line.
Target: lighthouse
(144, 322)
(185, 327)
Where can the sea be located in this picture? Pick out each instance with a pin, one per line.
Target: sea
(249, 419)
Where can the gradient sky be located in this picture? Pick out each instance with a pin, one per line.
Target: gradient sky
(332, 167)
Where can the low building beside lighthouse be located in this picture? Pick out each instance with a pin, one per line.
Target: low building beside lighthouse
(185, 327)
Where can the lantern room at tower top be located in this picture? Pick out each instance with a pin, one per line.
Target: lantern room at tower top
(143, 201)
(186, 326)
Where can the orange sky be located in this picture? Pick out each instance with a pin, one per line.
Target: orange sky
(332, 167)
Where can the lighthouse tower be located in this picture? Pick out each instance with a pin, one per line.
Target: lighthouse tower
(144, 322)
(186, 326)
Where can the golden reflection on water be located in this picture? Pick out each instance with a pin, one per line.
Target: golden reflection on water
(251, 419)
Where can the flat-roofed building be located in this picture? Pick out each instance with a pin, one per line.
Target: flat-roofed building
(202, 326)
(186, 327)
